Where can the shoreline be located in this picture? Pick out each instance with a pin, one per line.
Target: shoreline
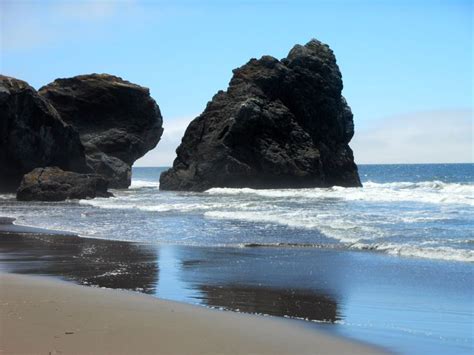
(365, 297)
(61, 316)
(7, 225)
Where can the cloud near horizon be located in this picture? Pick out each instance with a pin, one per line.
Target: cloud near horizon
(438, 136)
(165, 151)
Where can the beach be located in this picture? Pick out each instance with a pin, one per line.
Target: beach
(46, 315)
(238, 177)
(223, 280)
(41, 315)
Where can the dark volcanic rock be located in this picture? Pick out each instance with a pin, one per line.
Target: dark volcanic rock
(279, 124)
(33, 135)
(54, 184)
(118, 121)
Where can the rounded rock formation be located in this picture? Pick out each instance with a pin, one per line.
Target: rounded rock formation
(118, 122)
(54, 184)
(280, 124)
(32, 135)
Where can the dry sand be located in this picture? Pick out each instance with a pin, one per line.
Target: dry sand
(47, 316)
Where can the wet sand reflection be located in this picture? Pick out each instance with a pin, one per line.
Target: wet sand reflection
(86, 261)
(303, 304)
(216, 277)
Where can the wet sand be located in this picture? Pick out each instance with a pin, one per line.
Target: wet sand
(139, 267)
(45, 315)
(40, 315)
(406, 305)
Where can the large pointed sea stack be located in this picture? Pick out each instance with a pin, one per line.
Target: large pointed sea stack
(280, 124)
(118, 121)
(33, 135)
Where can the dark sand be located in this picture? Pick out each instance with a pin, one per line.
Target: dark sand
(135, 267)
(407, 305)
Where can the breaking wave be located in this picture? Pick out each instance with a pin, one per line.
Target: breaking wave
(441, 253)
(138, 184)
(426, 192)
(412, 219)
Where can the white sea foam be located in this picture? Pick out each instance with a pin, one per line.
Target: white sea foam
(443, 253)
(105, 203)
(341, 229)
(131, 203)
(138, 184)
(352, 233)
(426, 192)
(412, 219)
(290, 218)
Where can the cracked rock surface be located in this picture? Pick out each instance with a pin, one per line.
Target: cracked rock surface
(118, 122)
(280, 124)
(32, 134)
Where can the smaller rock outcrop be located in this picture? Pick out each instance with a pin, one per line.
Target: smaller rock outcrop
(118, 122)
(54, 184)
(33, 135)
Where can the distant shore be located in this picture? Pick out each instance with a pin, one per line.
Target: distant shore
(40, 314)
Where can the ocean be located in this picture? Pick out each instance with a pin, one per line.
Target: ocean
(423, 211)
(390, 263)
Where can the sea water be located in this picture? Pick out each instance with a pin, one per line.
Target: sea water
(395, 257)
(423, 211)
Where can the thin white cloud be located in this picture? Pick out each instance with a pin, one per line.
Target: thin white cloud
(26, 25)
(165, 151)
(441, 136)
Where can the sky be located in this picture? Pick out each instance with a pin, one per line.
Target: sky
(407, 66)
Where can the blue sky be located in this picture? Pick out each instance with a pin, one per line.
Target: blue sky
(406, 65)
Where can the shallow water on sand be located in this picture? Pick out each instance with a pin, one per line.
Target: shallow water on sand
(406, 305)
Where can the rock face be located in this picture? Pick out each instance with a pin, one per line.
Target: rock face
(54, 184)
(280, 124)
(118, 121)
(32, 134)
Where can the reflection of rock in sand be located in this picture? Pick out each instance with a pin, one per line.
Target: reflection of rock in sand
(277, 302)
(96, 262)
